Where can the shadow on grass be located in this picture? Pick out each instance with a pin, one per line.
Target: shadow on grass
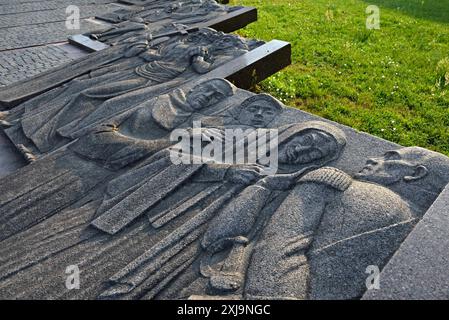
(435, 10)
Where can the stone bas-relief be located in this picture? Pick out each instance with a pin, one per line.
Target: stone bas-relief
(140, 227)
(188, 12)
(134, 76)
(80, 166)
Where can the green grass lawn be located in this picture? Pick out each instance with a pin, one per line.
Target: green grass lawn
(392, 82)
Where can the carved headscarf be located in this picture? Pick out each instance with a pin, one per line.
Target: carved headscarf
(288, 132)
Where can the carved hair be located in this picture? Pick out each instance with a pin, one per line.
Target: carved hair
(265, 98)
(288, 132)
(436, 164)
(230, 89)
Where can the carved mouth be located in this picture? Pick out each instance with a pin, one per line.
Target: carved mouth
(366, 170)
(257, 122)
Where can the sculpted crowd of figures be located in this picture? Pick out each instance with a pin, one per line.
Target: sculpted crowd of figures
(101, 191)
(112, 202)
(161, 13)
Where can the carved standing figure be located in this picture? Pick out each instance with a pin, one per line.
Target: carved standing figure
(329, 213)
(173, 64)
(65, 176)
(301, 146)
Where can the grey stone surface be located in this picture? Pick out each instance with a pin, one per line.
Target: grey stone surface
(41, 34)
(47, 16)
(8, 7)
(104, 190)
(114, 201)
(16, 65)
(29, 31)
(187, 12)
(419, 269)
(10, 158)
(149, 68)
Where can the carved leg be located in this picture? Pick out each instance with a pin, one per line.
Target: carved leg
(26, 153)
(231, 276)
(5, 124)
(3, 114)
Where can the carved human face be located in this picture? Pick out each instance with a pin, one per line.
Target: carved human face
(228, 42)
(258, 114)
(207, 94)
(307, 147)
(393, 167)
(172, 8)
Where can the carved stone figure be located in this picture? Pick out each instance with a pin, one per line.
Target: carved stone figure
(297, 144)
(255, 112)
(65, 176)
(135, 27)
(187, 12)
(50, 120)
(142, 227)
(329, 208)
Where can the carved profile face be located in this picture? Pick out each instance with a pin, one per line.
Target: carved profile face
(209, 93)
(225, 42)
(172, 8)
(307, 147)
(395, 166)
(258, 114)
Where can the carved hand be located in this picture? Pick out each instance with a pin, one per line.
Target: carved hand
(136, 49)
(243, 174)
(200, 51)
(280, 182)
(212, 134)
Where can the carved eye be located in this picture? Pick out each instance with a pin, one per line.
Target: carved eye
(307, 140)
(219, 96)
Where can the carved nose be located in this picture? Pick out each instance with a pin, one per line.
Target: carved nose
(300, 148)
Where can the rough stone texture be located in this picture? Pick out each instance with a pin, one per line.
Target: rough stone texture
(419, 269)
(47, 16)
(41, 34)
(114, 201)
(16, 65)
(103, 190)
(29, 29)
(10, 158)
(8, 7)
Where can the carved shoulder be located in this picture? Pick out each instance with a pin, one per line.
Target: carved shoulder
(332, 177)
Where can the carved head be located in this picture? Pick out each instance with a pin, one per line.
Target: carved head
(310, 142)
(209, 92)
(259, 111)
(210, 5)
(172, 7)
(414, 166)
(228, 41)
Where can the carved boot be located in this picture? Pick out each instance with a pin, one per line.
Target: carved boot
(3, 114)
(231, 276)
(95, 36)
(5, 124)
(26, 153)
